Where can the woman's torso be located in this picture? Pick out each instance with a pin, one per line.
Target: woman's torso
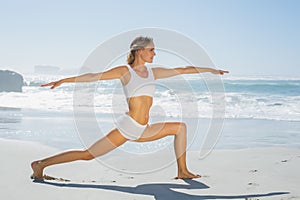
(140, 98)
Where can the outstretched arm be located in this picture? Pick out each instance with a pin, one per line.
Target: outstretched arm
(113, 73)
(169, 72)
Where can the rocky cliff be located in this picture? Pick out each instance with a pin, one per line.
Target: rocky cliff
(10, 81)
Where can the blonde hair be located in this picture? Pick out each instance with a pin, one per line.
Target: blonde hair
(139, 42)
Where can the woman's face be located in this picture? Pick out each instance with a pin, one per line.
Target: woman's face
(147, 54)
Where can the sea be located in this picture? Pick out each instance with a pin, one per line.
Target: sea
(255, 112)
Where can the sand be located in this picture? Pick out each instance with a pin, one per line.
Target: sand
(256, 173)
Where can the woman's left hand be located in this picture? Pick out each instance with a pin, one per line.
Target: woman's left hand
(218, 71)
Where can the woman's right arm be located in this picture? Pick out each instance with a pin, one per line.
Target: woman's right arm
(113, 73)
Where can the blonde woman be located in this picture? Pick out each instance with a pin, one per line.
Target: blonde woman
(138, 84)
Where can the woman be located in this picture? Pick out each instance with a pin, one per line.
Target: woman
(138, 85)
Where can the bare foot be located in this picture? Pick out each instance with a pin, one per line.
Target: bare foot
(187, 175)
(37, 170)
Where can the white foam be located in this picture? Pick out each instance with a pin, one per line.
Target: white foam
(241, 104)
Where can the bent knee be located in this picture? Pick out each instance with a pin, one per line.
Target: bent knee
(181, 128)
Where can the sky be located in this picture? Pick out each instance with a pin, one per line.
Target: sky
(246, 37)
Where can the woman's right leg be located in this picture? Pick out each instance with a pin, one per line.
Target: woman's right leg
(101, 147)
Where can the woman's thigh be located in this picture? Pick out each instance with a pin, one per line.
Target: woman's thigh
(160, 130)
(104, 145)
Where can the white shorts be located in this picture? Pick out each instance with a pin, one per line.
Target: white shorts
(129, 128)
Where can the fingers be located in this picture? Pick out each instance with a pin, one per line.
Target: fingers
(47, 84)
(223, 72)
(53, 84)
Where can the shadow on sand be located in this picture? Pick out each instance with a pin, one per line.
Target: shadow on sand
(161, 191)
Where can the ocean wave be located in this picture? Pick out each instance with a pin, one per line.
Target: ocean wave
(260, 78)
(264, 99)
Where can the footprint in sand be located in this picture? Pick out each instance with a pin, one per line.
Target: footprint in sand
(253, 171)
(205, 176)
(253, 184)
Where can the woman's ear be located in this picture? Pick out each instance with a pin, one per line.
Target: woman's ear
(139, 51)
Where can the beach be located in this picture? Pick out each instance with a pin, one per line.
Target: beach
(255, 154)
(255, 173)
(228, 70)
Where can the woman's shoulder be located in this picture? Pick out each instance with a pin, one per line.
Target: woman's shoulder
(122, 68)
(117, 70)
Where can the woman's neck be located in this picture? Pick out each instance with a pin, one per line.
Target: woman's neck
(138, 65)
(138, 62)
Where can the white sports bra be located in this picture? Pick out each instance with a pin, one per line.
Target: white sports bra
(139, 86)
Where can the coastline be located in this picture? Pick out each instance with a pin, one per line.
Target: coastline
(60, 130)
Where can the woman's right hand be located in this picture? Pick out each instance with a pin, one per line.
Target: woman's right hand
(53, 84)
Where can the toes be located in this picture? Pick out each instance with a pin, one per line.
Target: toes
(198, 176)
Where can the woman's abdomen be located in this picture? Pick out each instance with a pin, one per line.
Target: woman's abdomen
(139, 108)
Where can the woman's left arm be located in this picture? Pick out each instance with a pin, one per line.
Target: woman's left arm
(160, 72)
